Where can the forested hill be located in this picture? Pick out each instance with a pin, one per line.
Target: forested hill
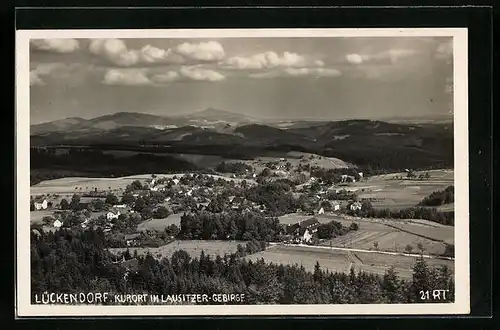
(64, 261)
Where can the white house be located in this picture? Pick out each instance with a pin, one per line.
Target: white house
(57, 224)
(307, 236)
(120, 206)
(41, 206)
(321, 211)
(153, 188)
(360, 174)
(110, 215)
(355, 206)
(336, 206)
(176, 181)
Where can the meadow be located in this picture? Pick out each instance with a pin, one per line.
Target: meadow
(192, 247)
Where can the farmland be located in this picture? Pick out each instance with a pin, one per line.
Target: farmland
(194, 248)
(70, 185)
(341, 261)
(401, 193)
(160, 224)
(295, 158)
(393, 235)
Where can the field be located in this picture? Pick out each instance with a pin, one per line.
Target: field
(293, 218)
(37, 216)
(342, 261)
(295, 158)
(398, 194)
(194, 248)
(160, 224)
(70, 185)
(392, 235)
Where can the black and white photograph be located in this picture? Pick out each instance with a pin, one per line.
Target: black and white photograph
(240, 172)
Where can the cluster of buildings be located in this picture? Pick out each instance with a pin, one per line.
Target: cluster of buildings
(302, 231)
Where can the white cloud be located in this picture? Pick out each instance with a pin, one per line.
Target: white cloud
(391, 55)
(35, 79)
(298, 72)
(354, 58)
(116, 51)
(56, 45)
(166, 77)
(197, 73)
(126, 77)
(203, 51)
(44, 69)
(270, 60)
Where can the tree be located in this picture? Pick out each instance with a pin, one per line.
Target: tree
(420, 247)
(421, 277)
(32, 205)
(161, 213)
(354, 226)
(128, 198)
(375, 245)
(98, 205)
(75, 202)
(47, 220)
(111, 199)
(391, 286)
(449, 250)
(408, 248)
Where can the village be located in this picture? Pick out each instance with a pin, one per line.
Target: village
(312, 206)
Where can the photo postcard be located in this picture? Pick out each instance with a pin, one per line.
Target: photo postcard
(242, 172)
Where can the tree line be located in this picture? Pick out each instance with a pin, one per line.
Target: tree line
(440, 197)
(229, 226)
(426, 213)
(71, 262)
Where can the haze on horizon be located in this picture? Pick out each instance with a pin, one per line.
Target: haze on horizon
(270, 78)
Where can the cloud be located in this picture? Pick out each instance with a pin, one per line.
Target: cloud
(270, 60)
(116, 52)
(166, 77)
(126, 77)
(44, 69)
(203, 51)
(391, 55)
(201, 74)
(298, 72)
(56, 45)
(35, 79)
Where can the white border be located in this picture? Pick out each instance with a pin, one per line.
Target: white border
(462, 281)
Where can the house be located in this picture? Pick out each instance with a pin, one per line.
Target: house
(321, 211)
(176, 181)
(335, 206)
(57, 224)
(355, 206)
(41, 206)
(347, 178)
(303, 231)
(120, 206)
(360, 174)
(154, 188)
(132, 239)
(111, 215)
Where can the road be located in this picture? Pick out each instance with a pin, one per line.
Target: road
(368, 251)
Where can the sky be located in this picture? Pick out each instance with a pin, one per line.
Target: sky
(323, 78)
